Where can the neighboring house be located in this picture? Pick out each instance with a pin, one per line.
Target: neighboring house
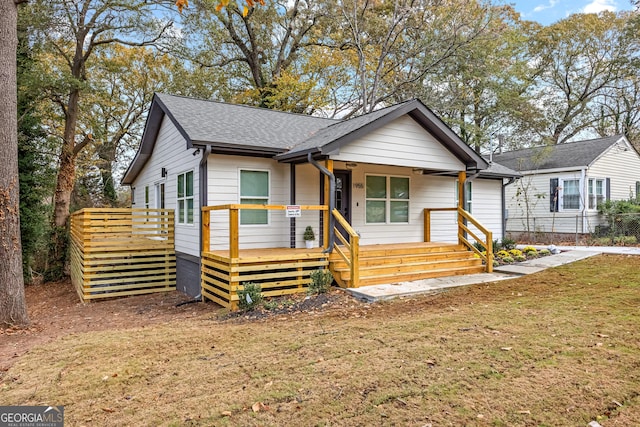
(563, 185)
(389, 165)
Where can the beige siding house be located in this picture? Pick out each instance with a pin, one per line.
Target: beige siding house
(562, 186)
(388, 167)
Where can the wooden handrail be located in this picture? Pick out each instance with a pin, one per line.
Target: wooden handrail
(352, 246)
(234, 222)
(464, 231)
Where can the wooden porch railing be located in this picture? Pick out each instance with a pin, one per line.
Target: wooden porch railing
(464, 218)
(351, 247)
(234, 222)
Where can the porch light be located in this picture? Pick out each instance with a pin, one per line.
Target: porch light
(351, 165)
(418, 171)
(163, 172)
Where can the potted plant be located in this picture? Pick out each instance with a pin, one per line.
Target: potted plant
(309, 237)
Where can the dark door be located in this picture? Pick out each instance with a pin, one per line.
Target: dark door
(343, 198)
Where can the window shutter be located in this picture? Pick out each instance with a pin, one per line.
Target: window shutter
(553, 195)
(607, 184)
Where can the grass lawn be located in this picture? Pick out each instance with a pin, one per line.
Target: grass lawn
(559, 348)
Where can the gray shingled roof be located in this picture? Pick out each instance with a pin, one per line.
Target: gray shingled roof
(571, 154)
(288, 136)
(240, 125)
(496, 170)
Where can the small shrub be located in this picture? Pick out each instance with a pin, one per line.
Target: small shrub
(531, 254)
(496, 245)
(544, 252)
(508, 244)
(271, 304)
(520, 258)
(625, 240)
(603, 241)
(309, 234)
(502, 254)
(479, 246)
(320, 281)
(529, 249)
(515, 252)
(507, 260)
(496, 263)
(250, 296)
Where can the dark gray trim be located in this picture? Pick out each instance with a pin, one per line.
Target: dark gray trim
(203, 180)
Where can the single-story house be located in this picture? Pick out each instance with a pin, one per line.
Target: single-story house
(563, 185)
(373, 176)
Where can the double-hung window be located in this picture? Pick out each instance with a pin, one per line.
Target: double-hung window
(596, 192)
(185, 198)
(387, 199)
(254, 190)
(570, 194)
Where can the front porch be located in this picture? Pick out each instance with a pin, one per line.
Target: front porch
(282, 271)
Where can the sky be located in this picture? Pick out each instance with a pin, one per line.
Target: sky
(549, 11)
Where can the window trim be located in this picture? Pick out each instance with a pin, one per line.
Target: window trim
(267, 199)
(592, 185)
(185, 198)
(468, 190)
(388, 200)
(561, 194)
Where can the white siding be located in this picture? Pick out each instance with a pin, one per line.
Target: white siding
(487, 205)
(170, 152)
(425, 191)
(535, 189)
(622, 167)
(403, 142)
(224, 188)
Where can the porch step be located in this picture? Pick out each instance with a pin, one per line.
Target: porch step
(380, 264)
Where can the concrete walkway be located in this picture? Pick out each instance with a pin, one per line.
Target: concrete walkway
(622, 250)
(406, 289)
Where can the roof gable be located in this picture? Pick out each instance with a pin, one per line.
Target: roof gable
(578, 155)
(287, 136)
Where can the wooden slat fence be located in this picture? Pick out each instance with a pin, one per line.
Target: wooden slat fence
(119, 252)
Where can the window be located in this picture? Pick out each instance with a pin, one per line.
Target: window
(254, 190)
(468, 195)
(637, 190)
(159, 195)
(387, 197)
(185, 198)
(133, 196)
(596, 192)
(571, 194)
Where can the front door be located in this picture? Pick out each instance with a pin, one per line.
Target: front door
(343, 197)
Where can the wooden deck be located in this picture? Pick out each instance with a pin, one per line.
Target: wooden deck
(400, 262)
(280, 271)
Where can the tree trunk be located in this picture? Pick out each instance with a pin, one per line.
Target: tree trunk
(64, 187)
(13, 308)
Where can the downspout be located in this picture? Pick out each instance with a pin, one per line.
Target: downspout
(203, 175)
(332, 199)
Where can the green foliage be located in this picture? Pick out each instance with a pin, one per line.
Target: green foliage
(34, 165)
(320, 281)
(625, 240)
(544, 252)
(309, 234)
(249, 296)
(508, 244)
(508, 260)
(515, 252)
(519, 258)
(529, 249)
